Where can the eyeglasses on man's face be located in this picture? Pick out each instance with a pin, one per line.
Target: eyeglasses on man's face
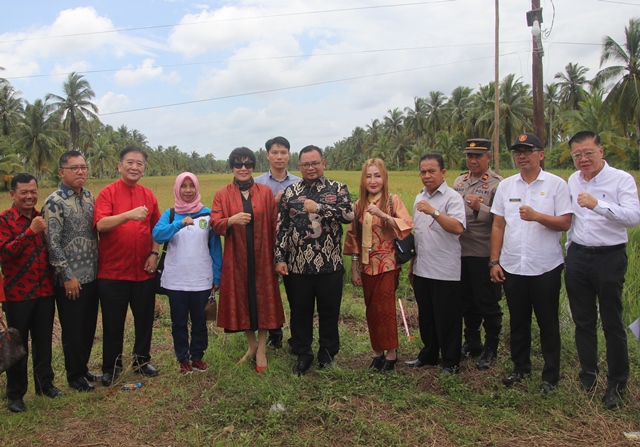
(76, 169)
(313, 164)
(524, 151)
(247, 164)
(586, 154)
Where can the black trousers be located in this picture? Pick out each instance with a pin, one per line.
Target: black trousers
(35, 318)
(306, 291)
(480, 303)
(78, 320)
(592, 277)
(440, 320)
(115, 298)
(540, 294)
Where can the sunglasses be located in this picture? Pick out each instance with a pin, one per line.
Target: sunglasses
(247, 164)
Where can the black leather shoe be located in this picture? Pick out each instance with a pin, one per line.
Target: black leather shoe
(612, 397)
(487, 359)
(588, 381)
(81, 384)
(274, 342)
(548, 389)
(16, 405)
(301, 366)
(146, 369)
(448, 371)
(377, 362)
(323, 365)
(388, 365)
(471, 349)
(91, 377)
(417, 363)
(514, 377)
(108, 377)
(51, 392)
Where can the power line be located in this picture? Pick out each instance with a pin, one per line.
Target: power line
(334, 81)
(621, 3)
(271, 16)
(223, 61)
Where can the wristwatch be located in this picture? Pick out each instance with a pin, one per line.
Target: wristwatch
(492, 263)
(435, 214)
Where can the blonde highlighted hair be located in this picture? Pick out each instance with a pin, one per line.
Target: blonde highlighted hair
(384, 200)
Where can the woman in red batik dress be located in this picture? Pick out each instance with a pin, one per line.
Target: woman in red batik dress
(369, 241)
(245, 213)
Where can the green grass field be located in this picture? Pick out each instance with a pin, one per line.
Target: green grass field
(231, 405)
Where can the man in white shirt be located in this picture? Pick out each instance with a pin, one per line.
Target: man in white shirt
(439, 219)
(531, 209)
(605, 204)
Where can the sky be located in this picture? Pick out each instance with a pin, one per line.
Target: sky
(209, 76)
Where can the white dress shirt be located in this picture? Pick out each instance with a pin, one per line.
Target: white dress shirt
(530, 248)
(617, 209)
(438, 252)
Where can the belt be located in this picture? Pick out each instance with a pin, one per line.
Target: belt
(594, 250)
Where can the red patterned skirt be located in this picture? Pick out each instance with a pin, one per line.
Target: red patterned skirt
(380, 299)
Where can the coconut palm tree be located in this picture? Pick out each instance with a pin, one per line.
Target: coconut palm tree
(623, 98)
(38, 135)
(457, 108)
(416, 117)
(572, 83)
(393, 122)
(102, 156)
(11, 109)
(436, 104)
(552, 110)
(75, 106)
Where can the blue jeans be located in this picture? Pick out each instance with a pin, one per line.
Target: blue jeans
(185, 306)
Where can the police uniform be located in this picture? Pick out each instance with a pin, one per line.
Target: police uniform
(481, 297)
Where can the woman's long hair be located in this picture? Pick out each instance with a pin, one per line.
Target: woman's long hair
(384, 200)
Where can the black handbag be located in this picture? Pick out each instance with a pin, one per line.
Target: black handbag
(159, 289)
(11, 349)
(405, 248)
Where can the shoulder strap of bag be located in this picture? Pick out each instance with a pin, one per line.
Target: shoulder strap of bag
(165, 246)
(391, 205)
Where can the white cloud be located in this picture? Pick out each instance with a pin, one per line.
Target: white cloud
(112, 102)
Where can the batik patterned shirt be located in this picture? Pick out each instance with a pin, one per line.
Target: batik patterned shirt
(311, 243)
(73, 243)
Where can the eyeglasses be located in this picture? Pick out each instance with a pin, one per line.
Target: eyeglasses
(586, 154)
(247, 164)
(76, 169)
(313, 164)
(525, 151)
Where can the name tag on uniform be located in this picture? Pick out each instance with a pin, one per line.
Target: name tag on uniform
(515, 200)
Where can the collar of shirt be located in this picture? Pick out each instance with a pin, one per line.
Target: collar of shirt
(541, 177)
(286, 177)
(600, 177)
(17, 214)
(322, 180)
(441, 189)
(68, 192)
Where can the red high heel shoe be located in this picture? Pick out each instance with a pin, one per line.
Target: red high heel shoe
(261, 369)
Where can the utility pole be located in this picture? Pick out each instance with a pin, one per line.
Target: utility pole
(496, 108)
(534, 20)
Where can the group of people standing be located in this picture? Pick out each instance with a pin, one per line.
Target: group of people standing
(470, 239)
(486, 232)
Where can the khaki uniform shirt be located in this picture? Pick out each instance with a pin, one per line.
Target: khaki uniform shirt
(475, 239)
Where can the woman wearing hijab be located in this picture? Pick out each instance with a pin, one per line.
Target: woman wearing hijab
(245, 213)
(191, 269)
(370, 242)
